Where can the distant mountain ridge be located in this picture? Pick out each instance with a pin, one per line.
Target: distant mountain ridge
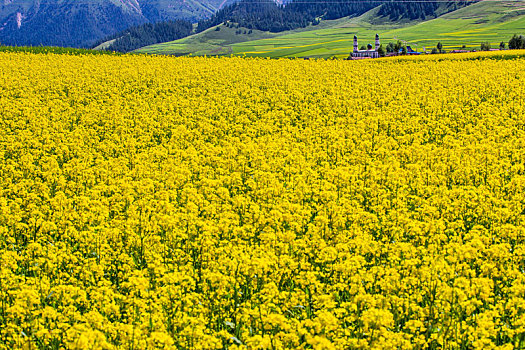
(79, 23)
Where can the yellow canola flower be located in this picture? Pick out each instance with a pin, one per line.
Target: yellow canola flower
(211, 203)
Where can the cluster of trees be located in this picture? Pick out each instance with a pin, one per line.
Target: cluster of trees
(517, 42)
(394, 47)
(422, 9)
(329, 9)
(485, 46)
(401, 48)
(148, 34)
(253, 14)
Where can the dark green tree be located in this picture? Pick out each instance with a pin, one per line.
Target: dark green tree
(485, 46)
(398, 46)
(517, 42)
(381, 51)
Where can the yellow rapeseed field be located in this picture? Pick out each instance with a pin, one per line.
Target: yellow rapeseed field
(213, 203)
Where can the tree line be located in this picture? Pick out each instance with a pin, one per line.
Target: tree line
(421, 10)
(517, 42)
(147, 34)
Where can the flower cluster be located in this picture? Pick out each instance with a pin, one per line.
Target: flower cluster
(208, 203)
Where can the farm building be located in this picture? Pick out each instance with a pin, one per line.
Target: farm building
(410, 51)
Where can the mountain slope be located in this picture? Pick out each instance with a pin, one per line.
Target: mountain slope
(145, 34)
(480, 22)
(81, 22)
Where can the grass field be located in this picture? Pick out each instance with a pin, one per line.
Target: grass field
(210, 42)
(486, 21)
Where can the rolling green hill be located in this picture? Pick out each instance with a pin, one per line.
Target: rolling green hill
(486, 21)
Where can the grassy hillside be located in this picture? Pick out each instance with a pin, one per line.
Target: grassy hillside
(209, 42)
(258, 43)
(485, 21)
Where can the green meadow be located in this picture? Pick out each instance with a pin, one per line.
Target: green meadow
(486, 21)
